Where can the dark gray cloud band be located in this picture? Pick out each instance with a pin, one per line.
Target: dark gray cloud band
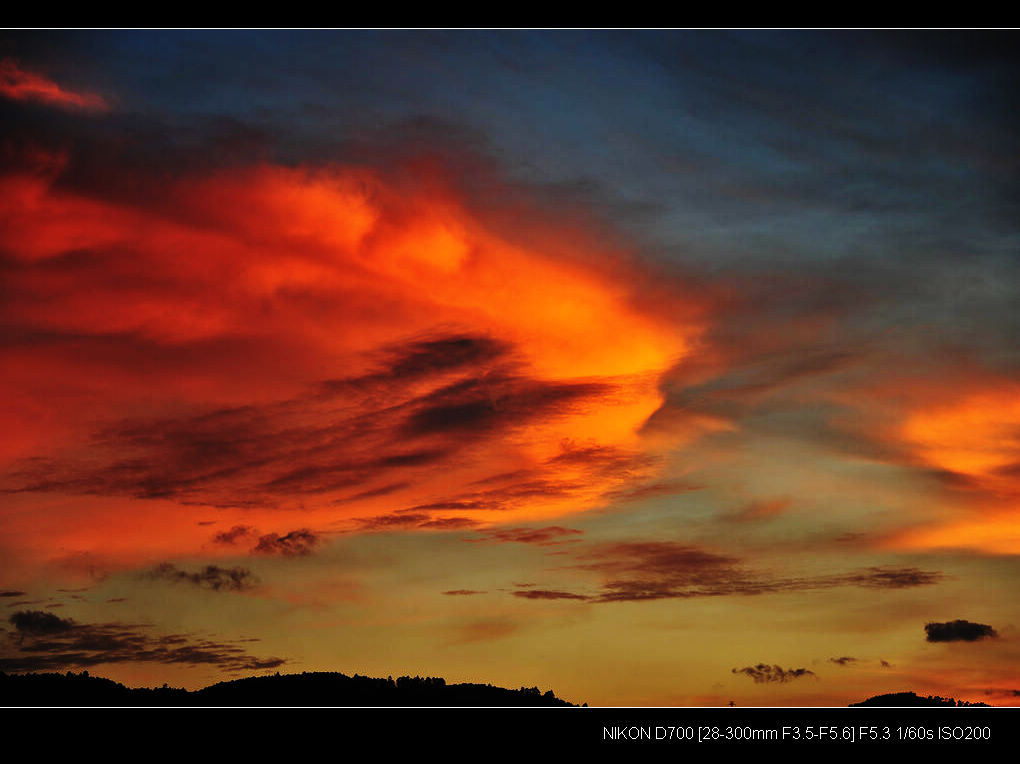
(42, 641)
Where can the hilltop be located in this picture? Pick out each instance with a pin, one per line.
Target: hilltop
(305, 689)
(912, 700)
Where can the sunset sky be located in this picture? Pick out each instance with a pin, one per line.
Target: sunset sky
(654, 368)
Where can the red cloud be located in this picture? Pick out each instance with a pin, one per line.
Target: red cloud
(323, 339)
(20, 85)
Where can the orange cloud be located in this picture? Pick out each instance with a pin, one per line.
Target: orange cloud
(20, 85)
(964, 428)
(975, 434)
(991, 531)
(321, 339)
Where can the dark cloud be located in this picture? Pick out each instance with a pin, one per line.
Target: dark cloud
(547, 594)
(419, 359)
(356, 433)
(398, 520)
(464, 592)
(1003, 693)
(766, 674)
(36, 622)
(449, 523)
(491, 403)
(384, 490)
(587, 466)
(12, 593)
(603, 461)
(429, 357)
(499, 499)
(211, 577)
(297, 543)
(359, 437)
(410, 519)
(346, 473)
(231, 537)
(651, 570)
(891, 578)
(656, 570)
(846, 660)
(547, 536)
(958, 631)
(44, 642)
(652, 490)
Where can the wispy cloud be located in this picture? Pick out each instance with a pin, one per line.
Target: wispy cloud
(299, 543)
(547, 594)
(652, 570)
(20, 84)
(44, 642)
(233, 535)
(552, 535)
(211, 577)
(845, 660)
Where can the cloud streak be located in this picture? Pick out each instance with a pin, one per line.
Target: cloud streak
(845, 660)
(552, 535)
(20, 84)
(43, 642)
(639, 571)
(547, 594)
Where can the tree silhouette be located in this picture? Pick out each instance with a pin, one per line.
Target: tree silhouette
(304, 689)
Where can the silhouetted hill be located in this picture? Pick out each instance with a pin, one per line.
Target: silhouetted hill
(911, 700)
(305, 689)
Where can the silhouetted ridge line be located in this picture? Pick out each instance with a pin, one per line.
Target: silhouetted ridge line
(912, 700)
(305, 689)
